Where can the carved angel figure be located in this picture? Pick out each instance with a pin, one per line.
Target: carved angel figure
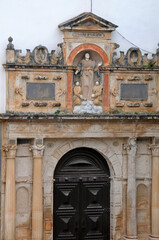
(97, 94)
(77, 94)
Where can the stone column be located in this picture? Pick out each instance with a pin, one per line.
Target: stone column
(124, 176)
(131, 232)
(10, 205)
(37, 200)
(155, 194)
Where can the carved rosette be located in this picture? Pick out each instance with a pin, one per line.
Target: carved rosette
(38, 151)
(10, 150)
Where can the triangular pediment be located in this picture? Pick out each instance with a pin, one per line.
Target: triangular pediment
(87, 21)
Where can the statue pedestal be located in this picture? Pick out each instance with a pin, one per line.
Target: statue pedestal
(87, 107)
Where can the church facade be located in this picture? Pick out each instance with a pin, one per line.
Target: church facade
(80, 140)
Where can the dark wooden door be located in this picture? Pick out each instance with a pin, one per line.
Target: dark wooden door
(81, 200)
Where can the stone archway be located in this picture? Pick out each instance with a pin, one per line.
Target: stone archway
(87, 47)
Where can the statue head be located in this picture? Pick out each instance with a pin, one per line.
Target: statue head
(87, 56)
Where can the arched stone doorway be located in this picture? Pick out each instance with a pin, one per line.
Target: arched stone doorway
(82, 196)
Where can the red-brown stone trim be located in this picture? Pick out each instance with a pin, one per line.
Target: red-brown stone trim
(69, 90)
(88, 47)
(106, 91)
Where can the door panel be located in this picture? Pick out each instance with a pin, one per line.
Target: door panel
(81, 211)
(66, 211)
(95, 210)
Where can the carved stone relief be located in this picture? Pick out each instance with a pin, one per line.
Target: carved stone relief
(134, 58)
(87, 96)
(40, 54)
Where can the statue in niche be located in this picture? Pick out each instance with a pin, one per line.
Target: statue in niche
(77, 94)
(87, 69)
(97, 94)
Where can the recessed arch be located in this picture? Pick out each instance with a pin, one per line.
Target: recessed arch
(100, 146)
(88, 47)
(82, 160)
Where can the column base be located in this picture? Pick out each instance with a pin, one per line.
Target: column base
(151, 237)
(130, 237)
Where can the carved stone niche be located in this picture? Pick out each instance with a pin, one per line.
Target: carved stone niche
(134, 57)
(88, 83)
(40, 54)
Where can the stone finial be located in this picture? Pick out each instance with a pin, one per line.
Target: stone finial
(10, 45)
(157, 49)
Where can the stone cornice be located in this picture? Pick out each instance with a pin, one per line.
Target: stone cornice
(12, 116)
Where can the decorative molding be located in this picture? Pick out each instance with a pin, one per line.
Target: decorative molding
(41, 77)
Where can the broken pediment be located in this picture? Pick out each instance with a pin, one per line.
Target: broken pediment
(87, 21)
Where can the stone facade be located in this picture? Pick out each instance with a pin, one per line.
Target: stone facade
(41, 126)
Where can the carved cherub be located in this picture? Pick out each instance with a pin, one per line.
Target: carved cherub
(97, 94)
(77, 94)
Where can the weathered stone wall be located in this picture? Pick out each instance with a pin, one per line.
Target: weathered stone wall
(58, 142)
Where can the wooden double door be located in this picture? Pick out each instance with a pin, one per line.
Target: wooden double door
(82, 197)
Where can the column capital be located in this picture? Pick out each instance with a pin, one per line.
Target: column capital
(10, 150)
(154, 149)
(38, 151)
(124, 149)
(132, 146)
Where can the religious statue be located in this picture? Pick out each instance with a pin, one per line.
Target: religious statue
(88, 68)
(97, 94)
(77, 94)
